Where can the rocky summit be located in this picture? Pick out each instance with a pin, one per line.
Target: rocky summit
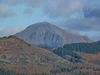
(49, 35)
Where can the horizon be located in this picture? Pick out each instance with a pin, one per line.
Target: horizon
(78, 16)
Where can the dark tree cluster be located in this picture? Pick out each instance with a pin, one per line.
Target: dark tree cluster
(83, 47)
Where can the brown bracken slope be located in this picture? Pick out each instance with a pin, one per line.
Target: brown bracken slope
(23, 58)
(19, 56)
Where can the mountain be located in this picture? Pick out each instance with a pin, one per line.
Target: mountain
(49, 35)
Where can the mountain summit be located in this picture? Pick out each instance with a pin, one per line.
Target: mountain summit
(49, 35)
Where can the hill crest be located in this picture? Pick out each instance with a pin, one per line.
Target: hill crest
(17, 51)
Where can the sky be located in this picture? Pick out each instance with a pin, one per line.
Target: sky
(78, 16)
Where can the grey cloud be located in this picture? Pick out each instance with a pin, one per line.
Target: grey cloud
(92, 12)
(88, 26)
(53, 8)
(88, 21)
(6, 13)
(10, 30)
(59, 8)
(28, 11)
(92, 9)
(11, 2)
(81, 24)
(33, 3)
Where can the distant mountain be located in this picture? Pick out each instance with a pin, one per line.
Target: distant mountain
(49, 35)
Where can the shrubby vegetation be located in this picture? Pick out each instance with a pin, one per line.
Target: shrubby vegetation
(67, 70)
(69, 49)
(4, 72)
(62, 52)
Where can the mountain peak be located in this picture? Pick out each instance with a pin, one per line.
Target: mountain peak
(41, 24)
(46, 34)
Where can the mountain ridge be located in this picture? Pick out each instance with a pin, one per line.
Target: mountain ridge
(46, 34)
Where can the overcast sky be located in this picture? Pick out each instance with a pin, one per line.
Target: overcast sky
(79, 16)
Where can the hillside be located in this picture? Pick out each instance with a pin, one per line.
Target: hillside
(49, 35)
(82, 54)
(18, 57)
(21, 57)
(80, 51)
